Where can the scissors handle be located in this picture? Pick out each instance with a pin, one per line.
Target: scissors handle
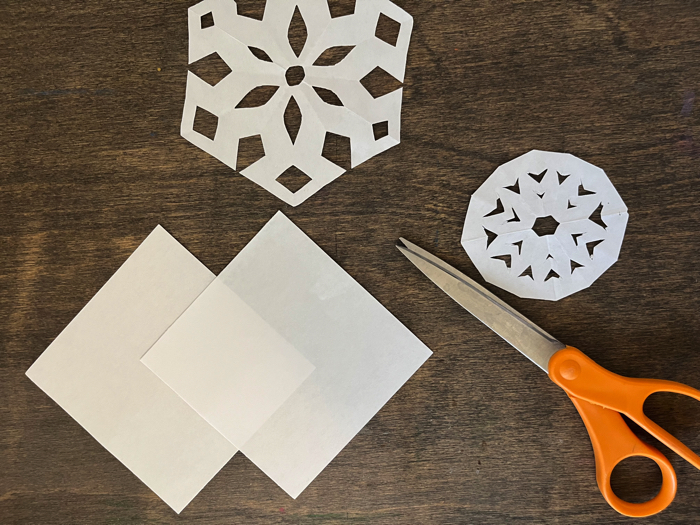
(600, 396)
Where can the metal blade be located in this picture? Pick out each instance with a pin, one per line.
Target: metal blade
(533, 342)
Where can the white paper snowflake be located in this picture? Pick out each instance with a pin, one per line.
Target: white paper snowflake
(258, 53)
(545, 225)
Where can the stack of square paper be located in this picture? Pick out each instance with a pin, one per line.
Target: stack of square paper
(282, 356)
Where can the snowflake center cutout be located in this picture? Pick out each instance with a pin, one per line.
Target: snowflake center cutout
(295, 75)
(545, 226)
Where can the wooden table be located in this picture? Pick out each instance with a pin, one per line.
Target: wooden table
(91, 160)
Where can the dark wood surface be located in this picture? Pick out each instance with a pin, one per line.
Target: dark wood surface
(91, 160)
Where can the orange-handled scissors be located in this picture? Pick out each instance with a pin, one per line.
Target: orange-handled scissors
(599, 395)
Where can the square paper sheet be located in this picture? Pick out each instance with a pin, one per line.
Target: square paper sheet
(287, 355)
(92, 370)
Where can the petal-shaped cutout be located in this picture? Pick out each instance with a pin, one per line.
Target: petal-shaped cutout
(257, 97)
(212, 69)
(380, 129)
(292, 119)
(333, 55)
(259, 54)
(387, 30)
(293, 179)
(379, 83)
(250, 150)
(336, 148)
(297, 32)
(205, 123)
(328, 96)
(251, 8)
(341, 7)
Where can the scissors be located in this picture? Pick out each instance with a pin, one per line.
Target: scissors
(599, 395)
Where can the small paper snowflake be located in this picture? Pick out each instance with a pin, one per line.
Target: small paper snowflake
(545, 225)
(322, 79)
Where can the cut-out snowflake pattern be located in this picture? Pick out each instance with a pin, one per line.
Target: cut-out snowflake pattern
(321, 75)
(545, 225)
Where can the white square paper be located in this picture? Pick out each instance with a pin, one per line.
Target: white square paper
(361, 353)
(93, 371)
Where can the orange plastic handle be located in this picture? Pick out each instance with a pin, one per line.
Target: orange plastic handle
(600, 396)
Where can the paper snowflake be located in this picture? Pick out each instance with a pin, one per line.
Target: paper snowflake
(322, 79)
(545, 225)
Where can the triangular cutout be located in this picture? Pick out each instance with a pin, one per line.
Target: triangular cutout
(575, 237)
(583, 191)
(527, 273)
(562, 178)
(551, 275)
(505, 258)
(515, 188)
(519, 244)
(499, 209)
(596, 217)
(538, 176)
(490, 237)
(575, 265)
(590, 246)
(515, 217)
(569, 205)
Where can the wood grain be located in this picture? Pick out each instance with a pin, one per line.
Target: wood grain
(91, 160)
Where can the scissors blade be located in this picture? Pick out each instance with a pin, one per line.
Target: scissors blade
(528, 338)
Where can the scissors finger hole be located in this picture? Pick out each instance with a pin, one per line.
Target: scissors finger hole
(636, 479)
(679, 415)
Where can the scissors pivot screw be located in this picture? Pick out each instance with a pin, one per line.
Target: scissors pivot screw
(570, 369)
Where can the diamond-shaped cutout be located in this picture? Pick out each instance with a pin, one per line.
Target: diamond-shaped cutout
(380, 129)
(379, 83)
(207, 20)
(205, 123)
(387, 30)
(212, 69)
(293, 179)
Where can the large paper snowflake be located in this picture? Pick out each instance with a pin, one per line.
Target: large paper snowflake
(322, 80)
(545, 225)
